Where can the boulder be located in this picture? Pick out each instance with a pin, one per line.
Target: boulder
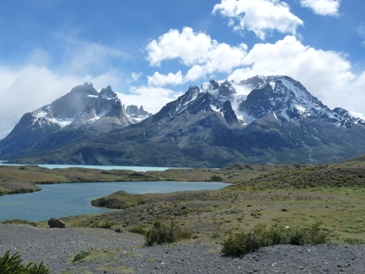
(56, 223)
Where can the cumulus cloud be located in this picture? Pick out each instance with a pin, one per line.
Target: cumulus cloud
(259, 16)
(188, 46)
(326, 74)
(160, 80)
(322, 7)
(152, 98)
(193, 49)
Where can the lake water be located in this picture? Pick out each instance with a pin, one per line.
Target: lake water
(63, 200)
(134, 168)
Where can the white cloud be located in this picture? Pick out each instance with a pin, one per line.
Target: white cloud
(188, 46)
(30, 88)
(83, 57)
(160, 80)
(195, 50)
(322, 7)
(152, 98)
(195, 73)
(361, 31)
(259, 16)
(80, 56)
(326, 74)
(136, 76)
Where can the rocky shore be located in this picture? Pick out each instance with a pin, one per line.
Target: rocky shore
(106, 251)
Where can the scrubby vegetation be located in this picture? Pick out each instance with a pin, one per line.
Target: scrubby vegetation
(161, 233)
(18, 222)
(139, 229)
(12, 264)
(103, 224)
(261, 236)
(81, 255)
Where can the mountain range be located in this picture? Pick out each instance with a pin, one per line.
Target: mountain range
(263, 119)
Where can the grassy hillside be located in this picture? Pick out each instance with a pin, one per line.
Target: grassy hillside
(332, 194)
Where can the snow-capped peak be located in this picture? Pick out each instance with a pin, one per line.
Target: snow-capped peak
(83, 106)
(279, 96)
(187, 98)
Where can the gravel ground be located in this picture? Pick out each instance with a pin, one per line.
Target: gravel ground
(113, 252)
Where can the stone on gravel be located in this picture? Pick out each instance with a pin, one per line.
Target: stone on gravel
(56, 223)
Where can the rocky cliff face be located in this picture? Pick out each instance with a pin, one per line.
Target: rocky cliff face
(138, 114)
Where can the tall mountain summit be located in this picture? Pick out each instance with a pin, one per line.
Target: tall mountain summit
(264, 119)
(80, 114)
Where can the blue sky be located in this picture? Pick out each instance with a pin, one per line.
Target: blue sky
(150, 52)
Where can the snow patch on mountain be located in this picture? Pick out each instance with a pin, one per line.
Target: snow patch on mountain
(358, 115)
(215, 108)
(244, 117)
(187, 98)
(241, 90)
(62, 122)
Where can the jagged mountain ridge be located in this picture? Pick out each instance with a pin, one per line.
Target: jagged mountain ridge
(280, 95)
(271, 119)
(84, 105)
(80, 114)
(138, 114)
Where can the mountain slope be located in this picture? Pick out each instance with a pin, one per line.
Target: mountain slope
(271, 119)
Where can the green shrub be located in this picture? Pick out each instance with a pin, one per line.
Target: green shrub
(81, 255)
(353, 241)
(215, 235)
(216, 178)
(104, 224)
(248, 241)
(311, 236)
(138, 229)
(161, 233)
(11, 264)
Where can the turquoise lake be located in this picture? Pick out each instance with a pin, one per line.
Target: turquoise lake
(61, 200)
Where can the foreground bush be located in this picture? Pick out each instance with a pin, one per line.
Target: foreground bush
(161, 233)
(81, 255)
(11, 264)
(104, 224)
(138, 229)
(248, 241)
